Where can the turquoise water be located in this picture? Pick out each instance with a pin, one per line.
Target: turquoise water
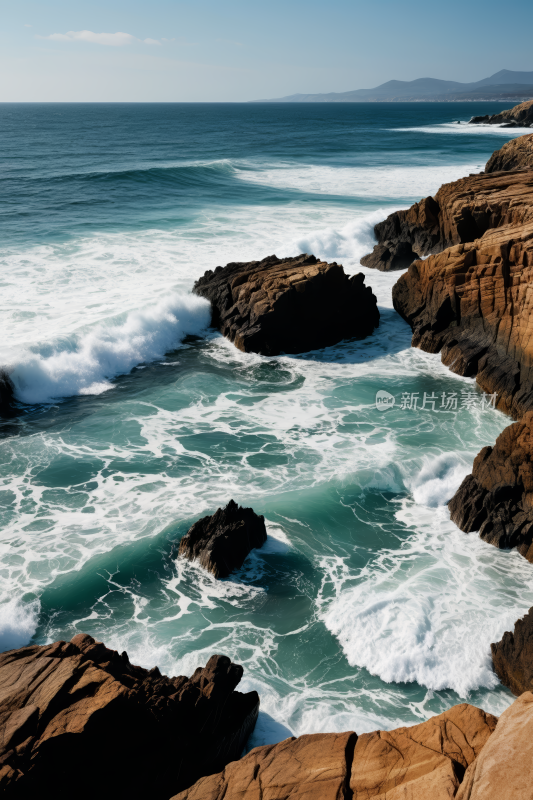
(366, 608)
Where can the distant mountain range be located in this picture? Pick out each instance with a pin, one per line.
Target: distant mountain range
(504, 85)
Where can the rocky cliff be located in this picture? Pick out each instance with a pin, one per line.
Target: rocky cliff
(289, 305)
(516, 154)
(460, 213)
(76, 718)
(518, 116)
(512, 656)
(497, 498)
(417, 763)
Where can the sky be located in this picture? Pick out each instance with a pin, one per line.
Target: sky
(237, 50)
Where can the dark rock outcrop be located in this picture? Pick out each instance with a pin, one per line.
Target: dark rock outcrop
(518, 116)
(289, 305)
(222, 541)
(78, 719)
(512, 656)
(6, 394)
(497, 498)
(516, 154)
(417, 763)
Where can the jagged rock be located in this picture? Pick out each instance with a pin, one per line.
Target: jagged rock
(222, 541)
(390, 255)
(497, 498)
(460, 212)
(289, 305)
(464, 301)
(417, 763)
(512, 656)
(502, 771)
(76, 718)
(516, 154)
(522, 114)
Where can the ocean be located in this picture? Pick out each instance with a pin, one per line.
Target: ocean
(367, 608)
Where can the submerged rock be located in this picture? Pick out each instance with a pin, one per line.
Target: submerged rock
(421, 762)
(521, 114)
(289, 305)
(512, 657)
(516, 154)
(497, 498)
(78, 719)
(222, 541)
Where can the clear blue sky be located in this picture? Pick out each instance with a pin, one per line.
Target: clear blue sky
(209, 50)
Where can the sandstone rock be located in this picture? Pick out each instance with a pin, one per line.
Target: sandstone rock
(222, 541)
(512, 657)
(78, 718)
(516, 154)
(312, 767)
(289, 305)
(460, 212)
(423, 761)
(497, 498)
(502, 771)
(418, 763)
(473, 304)
(522, 113)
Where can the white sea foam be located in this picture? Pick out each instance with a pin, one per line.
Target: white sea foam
(86, 363)
(18, 622)
(465, 128)
(428, 612)
(387, 183)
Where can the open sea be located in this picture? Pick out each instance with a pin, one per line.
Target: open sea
(367, 608)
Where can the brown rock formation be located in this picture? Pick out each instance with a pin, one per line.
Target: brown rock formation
(502, 771)
(222, 541)
(516, 154)
(78, 718)
(497, 498)
(513, 656)
(460, 212)
(289, 305)
(417, 763)
(518, 116)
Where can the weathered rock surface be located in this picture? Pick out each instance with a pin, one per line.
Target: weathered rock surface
(497, 498)
(516, 154)
(518, 116)
(460, 212)
(473, 303)
(503, 769)
(289, 305)
(417, 763)
(314, 767)
(512, 656)
(78, 719)
(222, 541)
